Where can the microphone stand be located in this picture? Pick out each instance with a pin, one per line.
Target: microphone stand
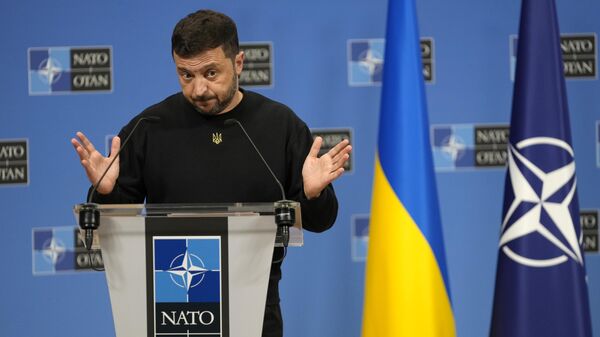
(285, 214)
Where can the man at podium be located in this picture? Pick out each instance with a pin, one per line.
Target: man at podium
(188, 154)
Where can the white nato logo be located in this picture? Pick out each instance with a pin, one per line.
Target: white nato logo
(187, 270)
(50, 70)
(453, 147)
(371, 61)
(557, 210)
(54, 250)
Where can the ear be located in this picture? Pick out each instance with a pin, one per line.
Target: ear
(239, 62)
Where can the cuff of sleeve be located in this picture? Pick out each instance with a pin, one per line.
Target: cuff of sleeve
(321, 200)
(103, 198)
(319, 214)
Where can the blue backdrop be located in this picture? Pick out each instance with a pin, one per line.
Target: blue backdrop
(316, 70)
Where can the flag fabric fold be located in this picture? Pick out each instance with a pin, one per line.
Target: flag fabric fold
(406, 288)
(541, 285)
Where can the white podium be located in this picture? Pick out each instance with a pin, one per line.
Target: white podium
(189, 270)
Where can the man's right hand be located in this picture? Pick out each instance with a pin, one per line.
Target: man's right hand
(95, 163)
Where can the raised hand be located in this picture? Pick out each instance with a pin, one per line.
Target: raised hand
(318, 172)
(95, 163)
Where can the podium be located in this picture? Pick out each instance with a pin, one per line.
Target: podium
(189, 269)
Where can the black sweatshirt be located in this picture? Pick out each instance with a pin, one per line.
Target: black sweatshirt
(176, 160)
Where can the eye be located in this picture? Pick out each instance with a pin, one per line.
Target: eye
(185, 75)
(211, 74)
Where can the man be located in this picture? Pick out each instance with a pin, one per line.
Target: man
(190, 156)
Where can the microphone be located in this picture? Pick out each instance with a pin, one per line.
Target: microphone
(89, 215)
(285, 215)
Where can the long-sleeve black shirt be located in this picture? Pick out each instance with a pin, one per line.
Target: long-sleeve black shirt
(176, 160)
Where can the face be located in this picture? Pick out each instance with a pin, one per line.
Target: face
(209, 80)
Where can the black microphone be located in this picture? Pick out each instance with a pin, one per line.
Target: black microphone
(89, 215)
(285, 214)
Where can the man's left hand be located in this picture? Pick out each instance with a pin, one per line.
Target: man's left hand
(318, 172)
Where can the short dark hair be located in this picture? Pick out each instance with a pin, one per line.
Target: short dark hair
(202, 31)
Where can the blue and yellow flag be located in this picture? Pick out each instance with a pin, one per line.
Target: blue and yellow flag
(541, 287)
(407, 291)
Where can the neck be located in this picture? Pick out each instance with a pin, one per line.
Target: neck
(237, 98)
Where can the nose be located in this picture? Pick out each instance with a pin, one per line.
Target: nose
(200, 86)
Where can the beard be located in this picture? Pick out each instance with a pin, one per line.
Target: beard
(221, 104)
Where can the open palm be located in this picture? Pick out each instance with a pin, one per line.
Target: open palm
(95, 164)
(318, 172)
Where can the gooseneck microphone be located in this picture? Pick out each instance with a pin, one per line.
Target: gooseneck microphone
(285, 215)
(89, 215)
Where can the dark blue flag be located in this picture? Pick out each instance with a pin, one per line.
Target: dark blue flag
(541, 285)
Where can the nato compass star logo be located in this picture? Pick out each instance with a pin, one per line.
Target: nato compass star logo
(365, 62)
(453, 146)
(187, 270)
(54, 250)
(371, 61)
(538, 229)
(50, 71)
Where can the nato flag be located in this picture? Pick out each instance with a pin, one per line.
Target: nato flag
(541, 285)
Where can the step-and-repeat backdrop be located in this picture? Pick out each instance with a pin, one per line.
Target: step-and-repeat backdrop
(93, 65)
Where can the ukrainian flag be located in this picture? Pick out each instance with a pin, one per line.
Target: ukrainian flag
(407, 291)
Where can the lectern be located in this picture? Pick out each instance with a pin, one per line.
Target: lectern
(189, 270)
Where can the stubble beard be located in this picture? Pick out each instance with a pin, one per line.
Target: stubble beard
(220, 105)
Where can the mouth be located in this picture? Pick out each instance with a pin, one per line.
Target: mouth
(204, 103)
(201, 100)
